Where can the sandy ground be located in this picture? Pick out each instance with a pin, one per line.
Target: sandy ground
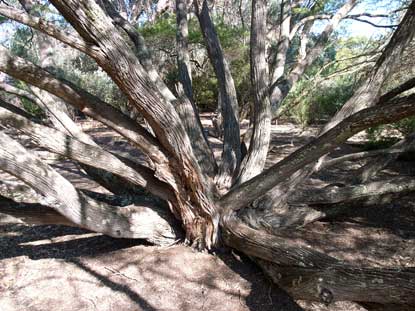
(62, 268)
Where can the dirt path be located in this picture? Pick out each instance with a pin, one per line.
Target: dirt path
(56, 268)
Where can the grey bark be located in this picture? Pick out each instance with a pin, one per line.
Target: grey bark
(277, 174)
(333, 195)
(254, 161)
(200, 216)
(130, 221)
(183, 58)
(231, 155)
(308, 274)
(82, 152)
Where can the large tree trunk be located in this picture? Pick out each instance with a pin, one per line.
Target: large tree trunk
(297, 267)
(198, 212)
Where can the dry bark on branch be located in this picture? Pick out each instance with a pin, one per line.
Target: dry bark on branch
(131, 221)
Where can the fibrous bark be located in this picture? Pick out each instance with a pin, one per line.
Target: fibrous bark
(91, 155)
(130, 221)
(231, 155)
(254, 161)
(197, 210)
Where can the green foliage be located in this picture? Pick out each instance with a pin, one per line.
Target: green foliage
(405, 126)
(205, 88)
(329, 82)
(379, 137)
(32, 108)
(159, 37)
(22, 44)
(315, 103)
(28, 105)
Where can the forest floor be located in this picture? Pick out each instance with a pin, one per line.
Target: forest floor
(63, 268)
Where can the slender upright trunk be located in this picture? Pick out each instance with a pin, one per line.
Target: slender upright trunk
(254, 161)
(231, 155)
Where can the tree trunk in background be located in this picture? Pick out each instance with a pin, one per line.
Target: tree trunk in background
(183, 58)
(280, 88)
(254, 161)
(231, 156)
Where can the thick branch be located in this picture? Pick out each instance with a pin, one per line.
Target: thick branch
(342, 282)
(308, 274)
(33, 213)
(380, 114)
(119, 61)
(87, 103)
(48, 28)
(333, 195)
(67, 146)
(231, 155)
(130, 222)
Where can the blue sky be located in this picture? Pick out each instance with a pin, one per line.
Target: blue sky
(356, 28)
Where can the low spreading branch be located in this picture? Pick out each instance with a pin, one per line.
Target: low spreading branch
(382, 113)
(72, 148)
(333, 195)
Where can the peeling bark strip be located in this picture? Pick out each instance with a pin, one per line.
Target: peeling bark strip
(254, 161)
(128, 222)
(197, 211)
(185, 108)
(382, 113)
(231, 156)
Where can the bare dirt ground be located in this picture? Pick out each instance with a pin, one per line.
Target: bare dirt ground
(62, 268)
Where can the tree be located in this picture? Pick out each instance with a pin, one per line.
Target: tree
(180, 182)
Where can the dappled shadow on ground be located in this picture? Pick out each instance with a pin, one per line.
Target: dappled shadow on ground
(72, 269)
(52, 241)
